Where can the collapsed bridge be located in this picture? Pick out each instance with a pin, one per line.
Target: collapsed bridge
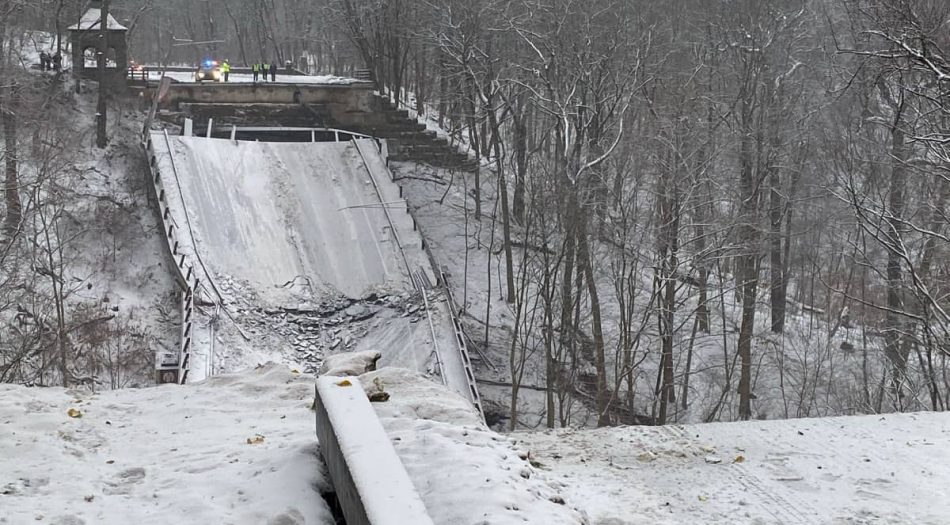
(299, 223)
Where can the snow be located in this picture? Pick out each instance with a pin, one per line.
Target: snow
(180, 454)
(450, 360)
(350, 363)
(91, 19)
(464, 472)
(170, 454)
(860, 469)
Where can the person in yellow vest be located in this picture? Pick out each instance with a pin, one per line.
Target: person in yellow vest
(226, 69)
(264, 68)
(256, 69)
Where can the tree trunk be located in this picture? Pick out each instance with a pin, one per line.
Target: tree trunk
(746, 268)
(101, 139)
(895, 304)
(776, 262)
(505, 213)
(702, 215)
(600, 366)
(669, 226)
(520, 129)
(59, 26)
(11, 183)
(551, 372)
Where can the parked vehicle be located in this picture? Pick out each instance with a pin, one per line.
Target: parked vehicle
(209, 70)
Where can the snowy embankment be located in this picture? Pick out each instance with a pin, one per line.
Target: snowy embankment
(464, 472)
(863, 469)
(233, 449)
(241, 449)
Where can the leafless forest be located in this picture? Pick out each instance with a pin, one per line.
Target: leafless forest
(705, 210)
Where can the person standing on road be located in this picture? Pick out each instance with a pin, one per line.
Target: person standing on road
(255, 69)
(226, 69)
(264, 68)
(273, 72)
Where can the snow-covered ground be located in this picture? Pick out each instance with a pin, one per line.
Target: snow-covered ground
(235, 449)
(241, 449)
(464, 472)
(856, 470)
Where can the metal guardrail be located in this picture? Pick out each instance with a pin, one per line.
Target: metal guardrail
(137, 76)
(461, 346)
(184, 271)
(282, 129)
(412, 277)
(460, 337)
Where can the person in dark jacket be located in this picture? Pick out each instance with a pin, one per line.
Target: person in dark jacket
(57, 62)
(273, 72)
(255, 69)
(44, 59)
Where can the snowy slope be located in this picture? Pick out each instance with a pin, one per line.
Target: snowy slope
(864, 469)
(163, 455)
(465, 473)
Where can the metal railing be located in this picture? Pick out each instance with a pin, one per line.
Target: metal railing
(338, 134)
(184, 271)
(136, 75)
(461, 346)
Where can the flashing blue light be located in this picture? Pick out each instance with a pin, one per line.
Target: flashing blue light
(208, 63)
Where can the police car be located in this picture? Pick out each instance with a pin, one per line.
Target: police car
(209, 70)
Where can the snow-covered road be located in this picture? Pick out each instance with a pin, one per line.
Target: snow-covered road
(267, 213)
(246, 78)
(866, 469)
(233, 449)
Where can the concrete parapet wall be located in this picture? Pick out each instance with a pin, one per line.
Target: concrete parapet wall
(371, 483)
(353, 97)
(351, 106)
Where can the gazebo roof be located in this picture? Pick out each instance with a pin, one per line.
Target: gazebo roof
(90, 22)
